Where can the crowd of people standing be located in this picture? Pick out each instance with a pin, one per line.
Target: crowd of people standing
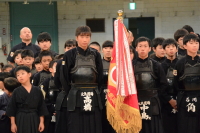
(66, 93)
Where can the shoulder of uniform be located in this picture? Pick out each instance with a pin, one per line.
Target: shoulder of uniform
(154, 61)
(36, 46)
(181, 61)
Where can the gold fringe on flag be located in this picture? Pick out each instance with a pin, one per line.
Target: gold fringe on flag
(120, 114)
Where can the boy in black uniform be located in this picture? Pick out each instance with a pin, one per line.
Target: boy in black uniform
(158, 49)
(27, 60)
(44, 42)
(26, 36)
(38, 65)
(95, 45)
(10, 84)
(187, 81)
(178, 36)
(107, 48)
(45, 58)
(26, 108)
(149, 82)
(50, 92)
(169, 110)
(82, 72)
(18, 58)
(69, 44)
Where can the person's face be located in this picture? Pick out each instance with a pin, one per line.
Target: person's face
(23, 76)
(192, 46)
(95, 47)
(68, 48)
(107, 52)
(83, 41)
(28, 61)
(53, 69)
(131, 54)
(180, 41)
(44, 45)
(159, 51)
(170, 50)
(45, 62)
(8, 69)
(25, 34)
(18, 60)
(143, 49)
(39, 67)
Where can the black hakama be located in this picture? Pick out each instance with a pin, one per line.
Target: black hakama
(188, 98)
(169, 114)
(78, 121)
(27, 108)
(188, 121)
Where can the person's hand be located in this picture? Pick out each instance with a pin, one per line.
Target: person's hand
(13, 128)
(173, 103)
(41, 127)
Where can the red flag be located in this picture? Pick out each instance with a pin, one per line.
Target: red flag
(122, 103)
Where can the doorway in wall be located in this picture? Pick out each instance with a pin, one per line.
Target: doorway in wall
(144, 26)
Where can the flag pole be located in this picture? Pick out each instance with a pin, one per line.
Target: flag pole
(122, 103)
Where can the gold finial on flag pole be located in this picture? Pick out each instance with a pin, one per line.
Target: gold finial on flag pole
(120, 14)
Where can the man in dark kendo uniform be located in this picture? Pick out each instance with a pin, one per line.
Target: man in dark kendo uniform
(187, 81)
(107, 48)
(178, 36)
(82, 72)
(169, 110)
(149, 83)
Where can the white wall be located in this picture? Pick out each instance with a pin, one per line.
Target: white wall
(170, 15)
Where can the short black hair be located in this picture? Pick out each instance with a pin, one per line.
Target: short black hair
(51, 63)
(188, 28)
(83, 30)
(58, 57)
(157, 41)
(95, 43)
(180, 33)
(45, 53)
(37, 60)
(107, 43)
(44, 36)
(70, 43)
(7, 66)
(142, 39)
(17, 52)
(11, 83)
(25, 68)
(27, 53)
(169, 41)
(190, 37)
